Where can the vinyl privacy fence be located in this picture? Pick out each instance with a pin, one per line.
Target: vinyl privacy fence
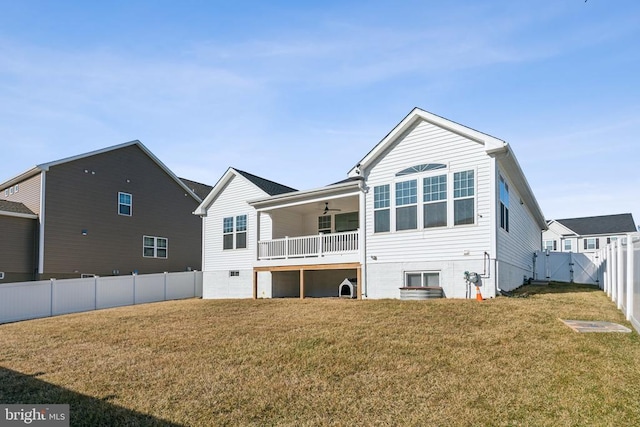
(565, 267)
(32, 300)
(619, 271)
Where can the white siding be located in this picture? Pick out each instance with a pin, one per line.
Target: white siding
(286, 223)
(517, 246)
(427, 143)
(384, 280)
(232, 201)
(555, 233)
(219, 284)
(435, 248)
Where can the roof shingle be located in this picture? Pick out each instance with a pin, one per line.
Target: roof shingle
(14, 207)
(605, 224)
(270, 187)
(201, 190)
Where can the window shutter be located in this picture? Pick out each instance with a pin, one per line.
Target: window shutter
(585, 243)
(555, 245)
(608, 240)
(597, 243)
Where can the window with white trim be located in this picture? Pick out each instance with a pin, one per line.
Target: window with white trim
(346, 221)
(381, 208)
(504, 204)
(227, 233)
(234, 232)
(324, 224)
(406, 205)
(125, 204)
(464, 198)
(591, 243)
(421, 278)
(568, 247)
(434, 197)
(549, 245)
(241, 232)
(155, 247)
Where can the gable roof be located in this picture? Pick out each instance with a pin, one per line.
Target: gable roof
(270, 188)
(45, 166)
(200, 189)
(604, 224)
(416, 115)
(15, 209)
(493, 146)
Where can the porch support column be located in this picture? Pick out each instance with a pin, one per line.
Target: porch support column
(257, 248)
(359, 282)
(255, 284)
(301, 283)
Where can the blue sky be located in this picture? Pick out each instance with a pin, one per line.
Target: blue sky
(298, 92)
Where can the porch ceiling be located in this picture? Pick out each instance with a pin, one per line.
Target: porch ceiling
(316, 207)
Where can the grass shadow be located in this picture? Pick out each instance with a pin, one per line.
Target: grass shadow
(18, 388)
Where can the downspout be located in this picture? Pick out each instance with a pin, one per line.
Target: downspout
(362, 237)
(41, 217)
(494, 223)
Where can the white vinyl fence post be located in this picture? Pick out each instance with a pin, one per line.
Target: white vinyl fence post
(51, 283)
(613, 268)
(630, 273)
(165, 285)
(620, 280)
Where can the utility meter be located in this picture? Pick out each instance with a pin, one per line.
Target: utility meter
(471, 277)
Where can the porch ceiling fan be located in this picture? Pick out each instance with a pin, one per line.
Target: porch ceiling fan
(327, 209)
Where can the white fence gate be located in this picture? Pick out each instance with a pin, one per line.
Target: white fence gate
(31, 300)
(618, 266)
(566, 267)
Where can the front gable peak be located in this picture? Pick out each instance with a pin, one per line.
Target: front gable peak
(491, 144)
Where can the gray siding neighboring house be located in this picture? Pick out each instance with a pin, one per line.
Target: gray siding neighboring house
(113, 211)
(18, 228)
(586, 234)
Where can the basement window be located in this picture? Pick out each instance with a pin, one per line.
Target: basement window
(422, 279)
(234, 273)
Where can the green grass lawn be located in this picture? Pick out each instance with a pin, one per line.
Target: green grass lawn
(502, 362)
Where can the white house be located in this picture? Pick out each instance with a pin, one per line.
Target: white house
(586, 234)
(434, 199)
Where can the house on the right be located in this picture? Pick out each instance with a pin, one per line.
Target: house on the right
(586, 234)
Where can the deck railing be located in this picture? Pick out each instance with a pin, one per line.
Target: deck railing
(308, 246)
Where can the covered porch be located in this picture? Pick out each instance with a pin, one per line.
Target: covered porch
(320, 226)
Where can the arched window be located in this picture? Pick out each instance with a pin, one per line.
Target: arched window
(421, 168)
